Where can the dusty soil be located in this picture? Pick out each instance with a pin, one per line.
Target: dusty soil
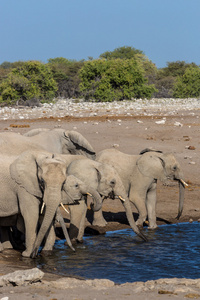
(129, 134)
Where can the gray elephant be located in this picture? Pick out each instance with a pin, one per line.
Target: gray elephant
(55, 140)
(27, 182)
(12, 230)
(139, 174)
(107, 182)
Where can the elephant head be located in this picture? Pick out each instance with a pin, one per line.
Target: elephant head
(74, 143)
(62, 141)
(106, 181)
(164, 167)
(74, 189)
(43, 177)
(110, 184)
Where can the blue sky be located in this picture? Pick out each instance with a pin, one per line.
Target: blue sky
(165, 30)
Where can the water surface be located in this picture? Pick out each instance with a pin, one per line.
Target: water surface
(121, 256)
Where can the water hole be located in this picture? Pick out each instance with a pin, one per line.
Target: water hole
(121, 256)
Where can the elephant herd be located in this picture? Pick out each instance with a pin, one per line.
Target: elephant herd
(45, 169)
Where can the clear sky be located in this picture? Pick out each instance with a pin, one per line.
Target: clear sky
(165, 30)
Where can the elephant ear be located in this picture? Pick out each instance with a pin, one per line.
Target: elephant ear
(78, 144)
(152, 165)
(24, 171)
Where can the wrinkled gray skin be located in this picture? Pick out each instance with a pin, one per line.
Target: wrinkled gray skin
(25, 180)
(29, 180)
(139, 174)
(55, 141)
(106, 181)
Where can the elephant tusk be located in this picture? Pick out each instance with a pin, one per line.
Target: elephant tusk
(89, 194)
(122, 199)
(42, 208)
(183, 182)
(64, 207)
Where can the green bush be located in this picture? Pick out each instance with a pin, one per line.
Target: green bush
(188, 85)
(166, 77)
(116, 79)
(65, 73)
(30, 80)
(124, 52)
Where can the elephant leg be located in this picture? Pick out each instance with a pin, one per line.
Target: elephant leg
(49, 240)
(151, 206)
(29, 207)
(98, 219)
(138, 199)
(77, 221)
(5, 238)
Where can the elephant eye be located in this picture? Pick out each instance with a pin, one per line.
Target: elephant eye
(76, 185)
(42, 184)
(174, 168)
(113, 182)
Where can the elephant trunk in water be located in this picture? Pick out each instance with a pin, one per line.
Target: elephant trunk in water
(126, 203)
(181, 197)
(51, 206)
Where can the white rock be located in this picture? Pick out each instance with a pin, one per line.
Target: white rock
(178, 124)
(160, 122)
(115, 145)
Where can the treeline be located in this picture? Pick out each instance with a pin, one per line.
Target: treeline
(124, 73)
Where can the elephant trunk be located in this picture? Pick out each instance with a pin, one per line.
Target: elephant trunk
(126, 203)
(181, 198)
(65, 232)
(52, 198)
(130, 218)
(97, 200)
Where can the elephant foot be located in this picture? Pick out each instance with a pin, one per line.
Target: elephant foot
(46, 252)
(26, 253)
(74, 241)
(1, 247)
(6, 245)
(153, 227)
(100, 223)
(139, 223)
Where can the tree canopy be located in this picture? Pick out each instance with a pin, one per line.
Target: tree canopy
(124, 73)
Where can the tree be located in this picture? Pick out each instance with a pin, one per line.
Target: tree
(65, 73)
(166, 77)
(121, 52)
(31, 80)
(116, 79)
(188, 85)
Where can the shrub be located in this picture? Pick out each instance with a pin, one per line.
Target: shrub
(30, 80)
(124, 52)
(116, 79)
(188, 85)
(65, 73)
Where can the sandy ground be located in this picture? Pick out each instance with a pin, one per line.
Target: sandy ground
(178, 134)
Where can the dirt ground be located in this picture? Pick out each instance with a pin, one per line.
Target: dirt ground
(130, 134)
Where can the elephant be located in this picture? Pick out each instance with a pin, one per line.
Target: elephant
(29, 181)
(13, 226)
(107, 182)
(56, 140)
(139, 174)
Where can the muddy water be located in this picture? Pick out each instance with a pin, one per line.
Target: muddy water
(172, 251)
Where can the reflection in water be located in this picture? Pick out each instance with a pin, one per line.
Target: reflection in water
(172, 251)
